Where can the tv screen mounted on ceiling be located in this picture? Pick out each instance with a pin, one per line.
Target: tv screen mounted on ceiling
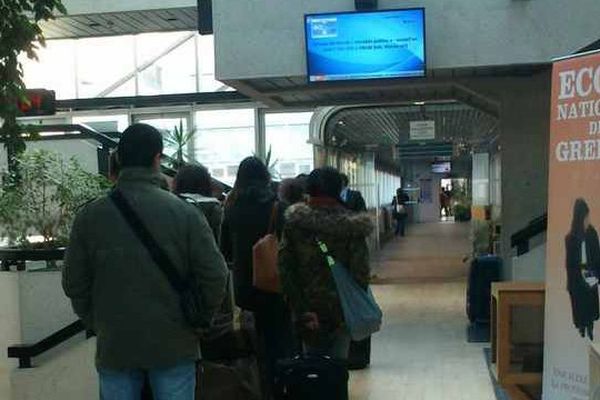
(365, 45)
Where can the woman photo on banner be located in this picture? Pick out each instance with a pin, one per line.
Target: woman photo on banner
(583, 269)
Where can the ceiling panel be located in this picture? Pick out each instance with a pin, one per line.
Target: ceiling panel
(122, 23)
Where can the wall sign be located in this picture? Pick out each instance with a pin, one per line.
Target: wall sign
(573, 255)
(422, 130)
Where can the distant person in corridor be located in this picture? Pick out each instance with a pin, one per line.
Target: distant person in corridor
(306, 278)
(122, 294)
(353, 199)
(583, 269)
(399, 211)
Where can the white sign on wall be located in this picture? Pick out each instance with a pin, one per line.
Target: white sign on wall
(422, 130)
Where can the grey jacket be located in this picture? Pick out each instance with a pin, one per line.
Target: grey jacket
(120, 293)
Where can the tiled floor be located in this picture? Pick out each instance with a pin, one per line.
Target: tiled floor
(422, 353)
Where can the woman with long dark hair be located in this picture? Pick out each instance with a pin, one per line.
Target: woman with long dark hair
(248, 214)
(583, 269)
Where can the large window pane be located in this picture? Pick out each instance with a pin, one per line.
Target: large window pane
(102, 63)
(223, 139)
(55, 69)
(287, 136)
(166, 124)
(172, 59)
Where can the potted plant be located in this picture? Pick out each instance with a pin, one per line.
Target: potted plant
(179, 139)
(38, 208)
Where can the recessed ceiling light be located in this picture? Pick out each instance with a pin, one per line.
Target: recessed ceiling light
(419, 103)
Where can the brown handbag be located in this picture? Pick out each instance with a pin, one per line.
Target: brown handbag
(265, 258)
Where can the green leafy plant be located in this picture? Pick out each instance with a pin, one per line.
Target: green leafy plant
(44, 200)
(270, 162)
(20, 32)
(179, 139)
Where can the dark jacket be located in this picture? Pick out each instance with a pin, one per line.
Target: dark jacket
(355, 201)
(584, 300)
(211, 208)
(246, 222)
(120, 293)
(306, 277)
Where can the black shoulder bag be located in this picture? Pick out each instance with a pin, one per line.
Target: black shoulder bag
(190, 299)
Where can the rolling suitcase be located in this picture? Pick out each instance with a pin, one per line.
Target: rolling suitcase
(311, 378)
(484, 270)
(360, 355)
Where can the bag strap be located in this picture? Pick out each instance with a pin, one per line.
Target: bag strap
(273, 219)
(158, 255)
(325, 250)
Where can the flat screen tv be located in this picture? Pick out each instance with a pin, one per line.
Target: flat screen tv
(365, 45)
(441, 167)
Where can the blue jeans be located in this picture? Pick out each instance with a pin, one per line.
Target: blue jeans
(176, 383)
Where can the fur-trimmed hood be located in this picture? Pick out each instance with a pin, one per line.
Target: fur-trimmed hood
(336, 221)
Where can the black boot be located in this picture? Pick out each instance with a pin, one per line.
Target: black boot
(590, 332)
(582, 332)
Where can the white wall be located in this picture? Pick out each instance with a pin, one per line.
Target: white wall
(265, 38)
(84, 150)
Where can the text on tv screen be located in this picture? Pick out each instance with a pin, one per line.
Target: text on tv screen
(365, 45)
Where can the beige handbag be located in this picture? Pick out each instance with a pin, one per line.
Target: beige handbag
(265, 258)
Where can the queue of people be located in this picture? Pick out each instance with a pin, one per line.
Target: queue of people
(147, 322)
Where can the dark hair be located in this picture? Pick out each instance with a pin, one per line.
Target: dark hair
(193, 179)
(580, 212)
(345, 180)
(139, 145)
(251, 172)
(114, 167)
(325, 182)
(291, 191)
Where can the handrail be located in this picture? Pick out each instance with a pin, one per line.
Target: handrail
(26, 352)
(106, 141)
(521, 239)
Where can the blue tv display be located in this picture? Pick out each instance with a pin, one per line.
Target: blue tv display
(365, 45)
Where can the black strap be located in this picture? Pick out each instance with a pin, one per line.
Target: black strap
(143, 234)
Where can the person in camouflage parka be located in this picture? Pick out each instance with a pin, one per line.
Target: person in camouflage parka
(306, 277)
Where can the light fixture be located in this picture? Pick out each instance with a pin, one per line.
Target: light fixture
(419, 103)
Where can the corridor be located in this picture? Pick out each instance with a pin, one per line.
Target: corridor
(422, 352)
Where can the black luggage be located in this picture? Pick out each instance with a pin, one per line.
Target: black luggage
(311, 378)
(360, 355)
(484, 271)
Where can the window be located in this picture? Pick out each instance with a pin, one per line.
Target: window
(127, 65)
(105, 67)
(223, 139)
(166, 123)
(287, 136)
(55, 69)
(167, 63)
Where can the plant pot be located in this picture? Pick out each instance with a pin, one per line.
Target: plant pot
(14, 256)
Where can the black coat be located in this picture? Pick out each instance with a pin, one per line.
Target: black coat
(246, 221)
(355, 201)
(584, 300)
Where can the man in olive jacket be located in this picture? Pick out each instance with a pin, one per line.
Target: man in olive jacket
(121, 293)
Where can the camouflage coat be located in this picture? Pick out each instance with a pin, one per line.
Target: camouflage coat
(306, 277)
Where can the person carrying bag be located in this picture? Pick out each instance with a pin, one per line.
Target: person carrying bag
(362, 314)
(265, 257)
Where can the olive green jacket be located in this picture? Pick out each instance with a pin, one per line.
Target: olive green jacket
(121, 294)
(306, 277)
